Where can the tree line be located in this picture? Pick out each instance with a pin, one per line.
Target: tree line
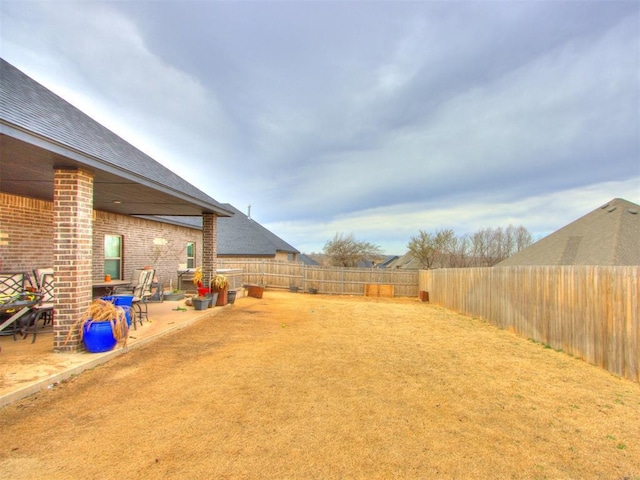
(439, 249)
(484, 248)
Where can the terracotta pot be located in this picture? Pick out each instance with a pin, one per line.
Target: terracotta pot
(255, 291)
(222, 297)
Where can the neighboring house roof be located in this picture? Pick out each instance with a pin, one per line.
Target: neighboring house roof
(376, 264)
(307, 260)
(609, 235)
(406, 261)
(387, 261)
(238, 235)
(40, 130)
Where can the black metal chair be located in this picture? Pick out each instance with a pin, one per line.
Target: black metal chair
(13, 286)
(45, 309)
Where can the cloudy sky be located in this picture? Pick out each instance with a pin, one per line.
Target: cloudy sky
(375, 118)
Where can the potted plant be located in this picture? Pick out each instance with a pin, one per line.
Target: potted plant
(197, 281)
(255, 291)
(220, 284)
(102, 326)
(174, 295)
(231, 296)
(201, 302)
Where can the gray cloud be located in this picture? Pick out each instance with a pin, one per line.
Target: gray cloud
(377, 118)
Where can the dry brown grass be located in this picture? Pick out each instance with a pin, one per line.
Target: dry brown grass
(306, 386)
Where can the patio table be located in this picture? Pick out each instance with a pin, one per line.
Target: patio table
(16, 307)
(110, 286)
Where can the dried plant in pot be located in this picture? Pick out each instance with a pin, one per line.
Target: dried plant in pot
(220, 284)
(197, 281)
(101, 327)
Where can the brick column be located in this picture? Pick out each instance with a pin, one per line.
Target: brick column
(72, 252)
(209, 246)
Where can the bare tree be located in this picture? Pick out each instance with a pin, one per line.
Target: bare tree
(461, 252)
(481, 246)
(346, 251)
(523, 238)
(433, 250)
(423, 248)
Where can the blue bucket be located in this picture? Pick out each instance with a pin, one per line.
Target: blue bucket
(124, 301)
(98, 337)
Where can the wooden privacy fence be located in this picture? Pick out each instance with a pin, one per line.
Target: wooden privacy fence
(332, 280)
(591, 312)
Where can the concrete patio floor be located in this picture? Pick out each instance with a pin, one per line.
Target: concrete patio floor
(26, 368)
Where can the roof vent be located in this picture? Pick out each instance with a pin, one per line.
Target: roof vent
(612, 209)
(632, 211)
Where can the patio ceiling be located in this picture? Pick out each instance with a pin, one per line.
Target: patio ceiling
(27, 164)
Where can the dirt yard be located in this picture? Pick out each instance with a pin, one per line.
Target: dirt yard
(309, 386)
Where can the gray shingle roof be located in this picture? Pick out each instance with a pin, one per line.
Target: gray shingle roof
(30, 107)
(239, 235)
(609, 235)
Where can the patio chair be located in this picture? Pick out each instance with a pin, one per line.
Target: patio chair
(13, 303)
(140, 288)
(13, 283)
(38, 276)
(45, 309)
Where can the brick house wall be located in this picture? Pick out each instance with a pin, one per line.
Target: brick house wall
(26, 226)
(138, 236)
(26, 233)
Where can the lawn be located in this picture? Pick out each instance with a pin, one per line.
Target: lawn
(313, 386)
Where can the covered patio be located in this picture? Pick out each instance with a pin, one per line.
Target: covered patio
(56, 157)
(30, 367)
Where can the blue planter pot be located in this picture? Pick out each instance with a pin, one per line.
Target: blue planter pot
(124, 301)
(98, 337)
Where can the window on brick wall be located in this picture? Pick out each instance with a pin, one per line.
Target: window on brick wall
(191, 255)
(113, 256)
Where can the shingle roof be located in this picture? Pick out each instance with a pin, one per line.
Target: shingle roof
(609, 235)
(239, 235)
(406, 261)
(307, 260)
(32, 108)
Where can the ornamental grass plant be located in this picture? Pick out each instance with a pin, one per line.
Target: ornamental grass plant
(103, 311)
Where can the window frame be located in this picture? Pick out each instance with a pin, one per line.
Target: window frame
(191, 259)
(116, 274)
